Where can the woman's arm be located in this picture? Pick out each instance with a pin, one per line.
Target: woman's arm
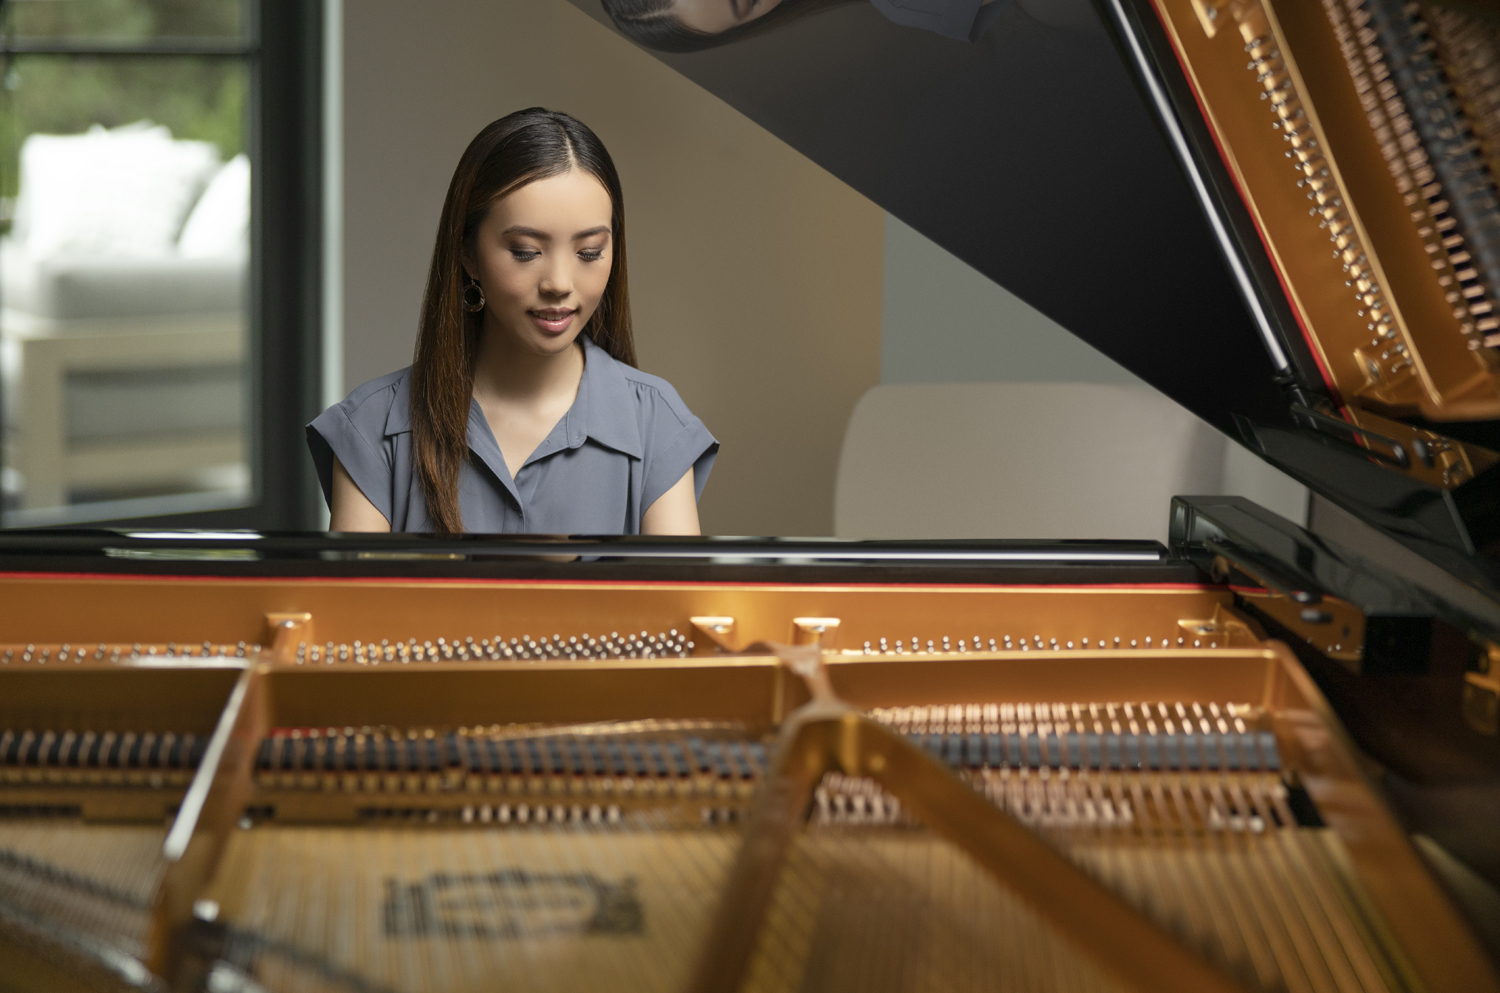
(674, 512)
(351, 510)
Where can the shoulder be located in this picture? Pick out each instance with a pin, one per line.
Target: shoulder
(654, 394)
(371, 410)
(376, 394)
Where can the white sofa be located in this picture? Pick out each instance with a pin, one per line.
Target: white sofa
(122, 318)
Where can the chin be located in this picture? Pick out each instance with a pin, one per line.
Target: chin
(544, 345)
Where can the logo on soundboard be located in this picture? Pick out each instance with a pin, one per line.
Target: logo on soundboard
(511, 903)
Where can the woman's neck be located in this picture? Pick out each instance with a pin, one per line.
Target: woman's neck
(509, 373)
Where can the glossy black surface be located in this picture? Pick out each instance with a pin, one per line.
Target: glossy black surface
(245, 553)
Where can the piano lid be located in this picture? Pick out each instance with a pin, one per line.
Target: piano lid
(1030, 156)
(1196, 188)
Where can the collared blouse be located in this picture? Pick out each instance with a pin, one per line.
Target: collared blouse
(626, 440)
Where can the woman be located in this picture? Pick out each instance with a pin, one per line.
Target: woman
(523, 410)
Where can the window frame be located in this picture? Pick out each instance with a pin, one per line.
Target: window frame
(284, 56)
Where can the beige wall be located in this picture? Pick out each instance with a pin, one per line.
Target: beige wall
(755, 275)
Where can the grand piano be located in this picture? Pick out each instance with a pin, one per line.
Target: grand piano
(1260, 757)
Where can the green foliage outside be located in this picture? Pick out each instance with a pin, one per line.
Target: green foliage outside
(121, 20)
(195, 96)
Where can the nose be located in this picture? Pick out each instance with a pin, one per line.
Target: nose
(557, 277)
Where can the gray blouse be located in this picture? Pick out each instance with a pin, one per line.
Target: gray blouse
(625, 441)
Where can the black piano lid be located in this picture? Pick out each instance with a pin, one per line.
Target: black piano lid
(1073, 168)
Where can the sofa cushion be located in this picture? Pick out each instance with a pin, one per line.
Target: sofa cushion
(220, 222)
(120, 192)
(83, 286)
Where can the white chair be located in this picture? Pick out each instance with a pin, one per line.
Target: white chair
(1020, 460)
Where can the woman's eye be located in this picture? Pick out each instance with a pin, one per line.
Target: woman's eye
(523, 254)
(591, 254)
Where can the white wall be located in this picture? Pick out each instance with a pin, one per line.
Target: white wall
(944, 322)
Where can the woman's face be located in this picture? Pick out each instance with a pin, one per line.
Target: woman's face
(542, 257)
(718, 16)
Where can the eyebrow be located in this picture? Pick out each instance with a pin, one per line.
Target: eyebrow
(544, 236)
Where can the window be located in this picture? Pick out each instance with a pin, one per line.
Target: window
(153, 155)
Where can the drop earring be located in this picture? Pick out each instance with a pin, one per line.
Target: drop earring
(473, 306)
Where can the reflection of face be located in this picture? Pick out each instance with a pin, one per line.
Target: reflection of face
(718, 16)
(542, 257)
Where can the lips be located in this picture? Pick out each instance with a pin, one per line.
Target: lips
(552, 320)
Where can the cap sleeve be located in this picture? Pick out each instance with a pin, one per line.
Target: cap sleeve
(354, 433)
(674, 441)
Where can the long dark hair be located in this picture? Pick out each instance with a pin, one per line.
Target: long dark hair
(653, 24)
(518, 149)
